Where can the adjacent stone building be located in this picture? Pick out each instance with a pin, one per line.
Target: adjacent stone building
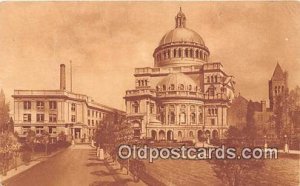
(56, 111)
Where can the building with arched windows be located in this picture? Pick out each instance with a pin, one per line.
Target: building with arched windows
(184, 96)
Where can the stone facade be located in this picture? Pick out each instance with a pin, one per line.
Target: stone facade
(184, 96)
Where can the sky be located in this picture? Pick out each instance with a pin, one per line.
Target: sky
(107, 40)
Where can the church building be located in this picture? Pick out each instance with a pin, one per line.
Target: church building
(184, 96)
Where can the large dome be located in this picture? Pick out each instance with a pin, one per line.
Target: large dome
(181, 46)
(181, 34)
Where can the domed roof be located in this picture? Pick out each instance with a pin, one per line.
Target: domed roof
(176, 80)
(181, 34)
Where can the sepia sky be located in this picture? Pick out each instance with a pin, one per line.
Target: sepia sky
(107, 40)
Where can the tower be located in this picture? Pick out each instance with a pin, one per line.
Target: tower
(277, 85)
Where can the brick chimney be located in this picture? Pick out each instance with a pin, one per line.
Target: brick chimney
(263, 106)
(62, 77)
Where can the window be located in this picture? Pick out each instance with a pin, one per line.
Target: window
(40, 105)
(213, 121)
(96, 114)
(27, 105)
(211, 91)
(186, 52)
(190, 87)
(89, 112)
(172, 87)
(40, 117)
(164, 87)
(179, 52)
(89, 122)
(73, 107)
(197, 54)
(200, 117)
(191, 53)
(208, 79)
(25, 130)
(151, 108)
(135, 107)
(181, 87)
(216, 79)
(93, 123)
(172, 117)
(193, 118)
(182, 117)
(53, 105)
(73, 118)
(52, 130)
(52, 118)
(27, 117)
(93, 113)
(174, 53)
(39, 130)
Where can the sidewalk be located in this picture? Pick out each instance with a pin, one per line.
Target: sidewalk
(11, 173)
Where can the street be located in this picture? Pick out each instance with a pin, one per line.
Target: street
(75, 166)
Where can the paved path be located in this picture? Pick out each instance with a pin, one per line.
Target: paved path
(76, 166)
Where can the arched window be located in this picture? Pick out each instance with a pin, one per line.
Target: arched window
(191, 134)
(275, 89)
(179, 52)
(135, 107)
(201, 54)
(182, 117)
(172, 118)
(193, 118)
(174, 53)
(172, 87)
(168, 54)
(190, 87)
(157, 88)
(216, 79)
(197, 53)
(191, 53)
(186, 52)
(164, 87)
(181, 87)
(208, 79)
(212, 78)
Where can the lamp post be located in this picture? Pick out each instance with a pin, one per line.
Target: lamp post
(266, 145)
(286, 147)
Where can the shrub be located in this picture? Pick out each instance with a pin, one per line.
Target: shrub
(26, 157)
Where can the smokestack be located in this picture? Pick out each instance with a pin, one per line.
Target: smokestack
(62, 77)
(263, 106)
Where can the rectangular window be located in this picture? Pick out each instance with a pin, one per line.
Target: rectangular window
(27, 117)
(27, 105)
(213, 122)
(151, 108)
(93, 114)
(39, 130)
(25, 130)
(53, 105)
(40, 105)
(73, 118)
(52, 118)
(52, 130)
(89, 122)
(40, 117)
(73, 107)
(92, 122)
(89, 112)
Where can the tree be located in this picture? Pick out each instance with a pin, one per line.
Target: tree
(250, 128)
(9, 150)
(30, 139)
(236, 172)
(4, 113)
(44, 139)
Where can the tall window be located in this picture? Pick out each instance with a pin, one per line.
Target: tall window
(172, 117)
(181, 87)
(52, 118)
(53, 105)
(191, 53)
(73, 118)
(197, 53)
(27, 117)
(182, 117)
(135, 107)
(40, 117)
(213, 121)
(172, 87)
(193, 118)
(151, 108)
(174, 53)
(27, 105)
(73, 107)
(211, 91)
(186, 52)
(179, 53)
(40, 105)
(89, 112)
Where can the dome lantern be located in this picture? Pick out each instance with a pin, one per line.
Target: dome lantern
(180, 19)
